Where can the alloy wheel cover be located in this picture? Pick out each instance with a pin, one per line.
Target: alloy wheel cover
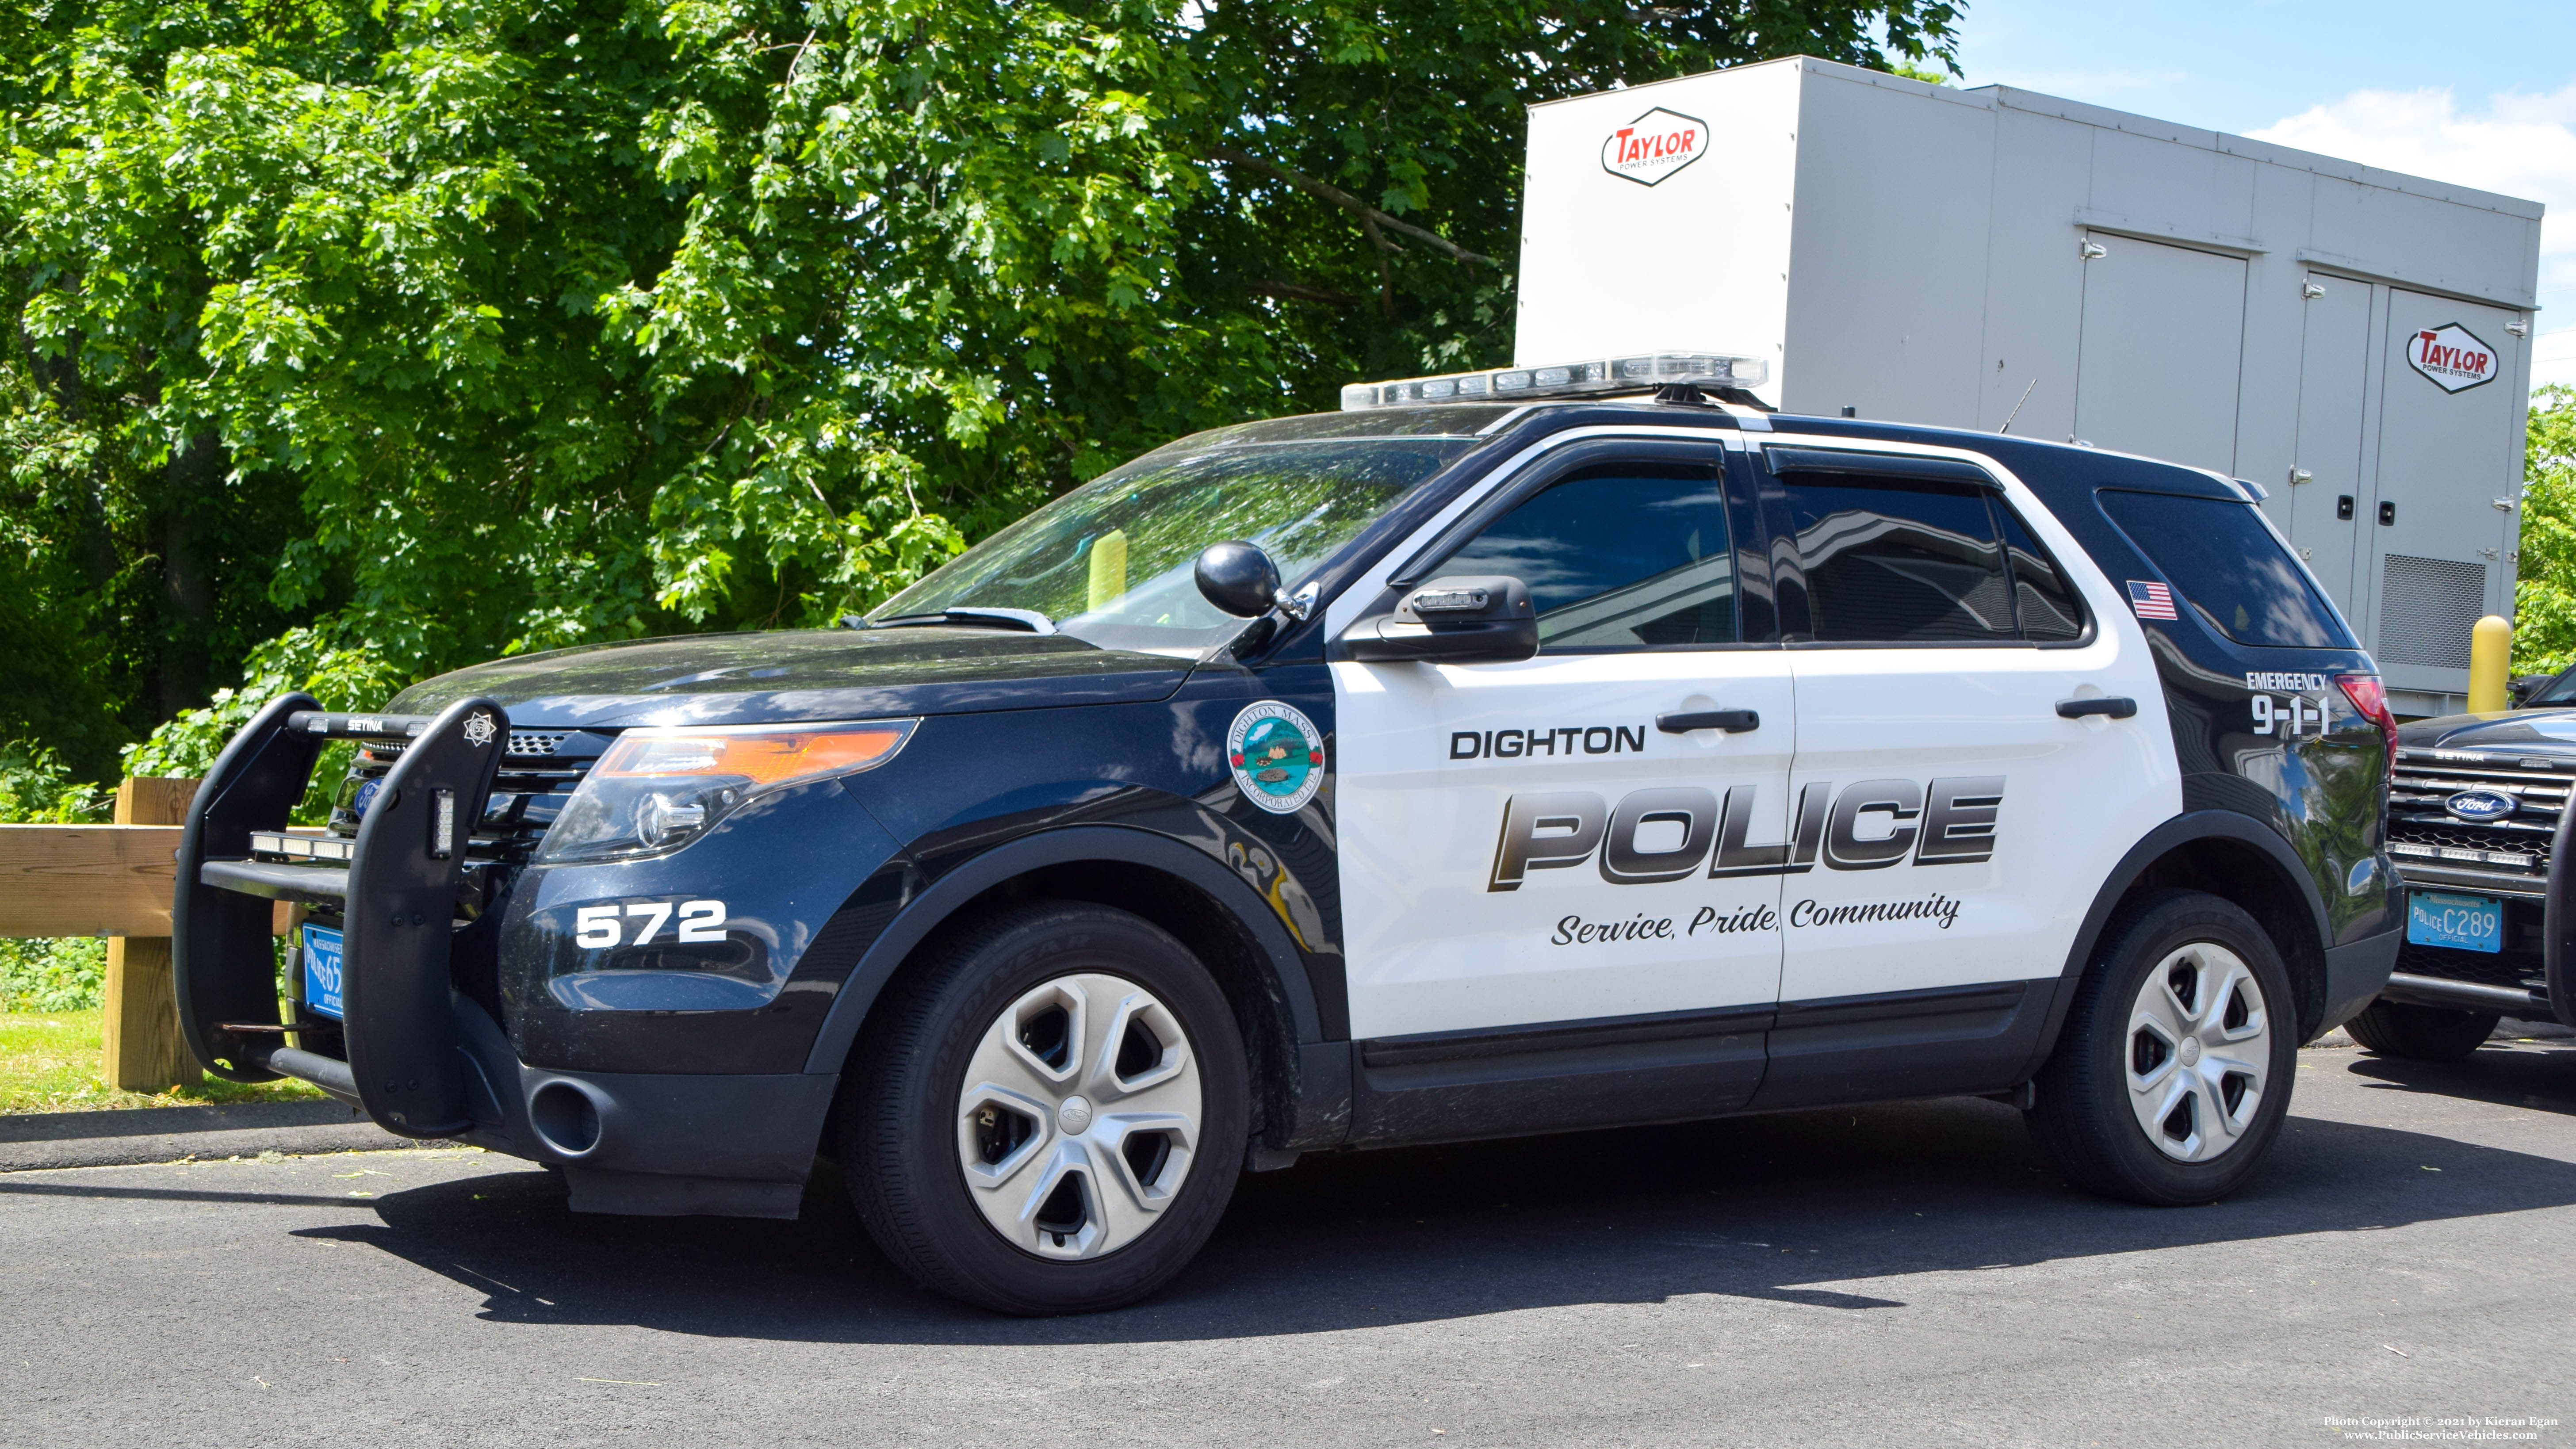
(1079, 1116)
(2198, 1052)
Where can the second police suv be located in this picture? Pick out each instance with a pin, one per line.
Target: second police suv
(1510, 752)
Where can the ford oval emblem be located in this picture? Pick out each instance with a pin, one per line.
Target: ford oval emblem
(2480, 806)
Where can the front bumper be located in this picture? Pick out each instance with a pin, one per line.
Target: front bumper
(419, 1057)
(2501, 982)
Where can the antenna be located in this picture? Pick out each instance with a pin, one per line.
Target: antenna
(2016, 412)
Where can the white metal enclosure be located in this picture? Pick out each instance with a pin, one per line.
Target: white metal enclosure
(1971, 258)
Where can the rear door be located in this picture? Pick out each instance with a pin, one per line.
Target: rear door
(1952, 826)
(2450, 448)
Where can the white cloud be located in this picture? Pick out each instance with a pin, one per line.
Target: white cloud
(2520, 145)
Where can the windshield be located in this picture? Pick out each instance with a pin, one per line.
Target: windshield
(1111, 561)
(2561, 690)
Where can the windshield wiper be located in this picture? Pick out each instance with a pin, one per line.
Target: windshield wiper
(1028, 621)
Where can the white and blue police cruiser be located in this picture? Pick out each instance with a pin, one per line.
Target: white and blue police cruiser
(1511, 752)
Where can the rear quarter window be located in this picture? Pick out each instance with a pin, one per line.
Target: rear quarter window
(2225, 564)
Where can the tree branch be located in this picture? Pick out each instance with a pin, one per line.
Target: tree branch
(1300, 292)
(1370, 217)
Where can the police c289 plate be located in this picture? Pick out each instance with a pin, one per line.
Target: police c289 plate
(2463, 923)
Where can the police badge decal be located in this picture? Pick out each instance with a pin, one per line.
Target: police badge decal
(1277, 756)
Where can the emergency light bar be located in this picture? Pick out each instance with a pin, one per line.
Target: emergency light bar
(1565, 379)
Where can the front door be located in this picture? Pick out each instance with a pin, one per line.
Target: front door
(1952, 826)
(1536, 848)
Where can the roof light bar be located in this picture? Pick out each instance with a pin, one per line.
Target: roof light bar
(1564, 379)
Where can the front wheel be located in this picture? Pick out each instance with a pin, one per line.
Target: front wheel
(1049, 1117)
(2173, 1071)
(2422, 1033)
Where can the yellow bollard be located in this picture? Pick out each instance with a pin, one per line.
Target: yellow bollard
(2490, 655)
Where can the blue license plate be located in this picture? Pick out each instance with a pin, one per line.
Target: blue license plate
(322, 971)
(2463, 923)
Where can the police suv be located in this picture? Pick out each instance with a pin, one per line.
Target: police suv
(1511, 752)
(2478, 825)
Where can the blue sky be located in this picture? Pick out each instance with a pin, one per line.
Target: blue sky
(2480, 92)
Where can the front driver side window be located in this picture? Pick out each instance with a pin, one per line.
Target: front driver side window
(1619, 556)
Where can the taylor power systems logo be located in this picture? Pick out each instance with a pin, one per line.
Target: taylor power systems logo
(2452, 356)
(1654, 146)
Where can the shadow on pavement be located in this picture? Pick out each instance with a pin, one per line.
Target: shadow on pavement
(1804, 1209)
(2539, 1075)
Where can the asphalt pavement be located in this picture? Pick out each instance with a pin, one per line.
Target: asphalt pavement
(1891, 1276)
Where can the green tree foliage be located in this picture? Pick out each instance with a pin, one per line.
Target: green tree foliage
(2544, 591)
(407, 333)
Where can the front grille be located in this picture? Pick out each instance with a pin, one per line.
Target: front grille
(527, 794)
(2420, 832)
(524, 744)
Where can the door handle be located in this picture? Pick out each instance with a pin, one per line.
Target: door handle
(1733, 721)
(2113, 705)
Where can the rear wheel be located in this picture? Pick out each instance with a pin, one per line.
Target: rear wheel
(2173, 1071)
(2423, 1033)
(1050, 1116)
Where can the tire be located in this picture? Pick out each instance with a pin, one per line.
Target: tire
(2420, 1033)
(1049, 1114)
(2174, 1069)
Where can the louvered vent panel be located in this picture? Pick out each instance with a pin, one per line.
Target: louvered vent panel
(2427, 608)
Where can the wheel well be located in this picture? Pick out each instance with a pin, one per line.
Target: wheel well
(2250, 878)
(1200, 923)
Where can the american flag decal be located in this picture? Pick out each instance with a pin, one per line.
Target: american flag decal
(2152, 601)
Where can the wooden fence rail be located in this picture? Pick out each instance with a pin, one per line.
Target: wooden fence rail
(114, 881)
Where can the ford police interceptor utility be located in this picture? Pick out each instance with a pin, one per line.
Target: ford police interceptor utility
(1510, 752)
(2478, 827)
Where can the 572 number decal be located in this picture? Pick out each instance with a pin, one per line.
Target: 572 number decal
(701, 923)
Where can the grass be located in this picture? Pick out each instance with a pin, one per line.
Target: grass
(50, 1061)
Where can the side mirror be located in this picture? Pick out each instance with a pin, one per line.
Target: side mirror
(1238, 578)
(2527, 686)
(1465, 619)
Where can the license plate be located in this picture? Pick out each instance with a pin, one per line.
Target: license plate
(2463, 923)
(322, 971)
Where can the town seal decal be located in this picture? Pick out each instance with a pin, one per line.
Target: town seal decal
(1277, 756)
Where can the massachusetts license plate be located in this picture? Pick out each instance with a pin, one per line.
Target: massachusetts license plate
(322, 971)
(2463, 923)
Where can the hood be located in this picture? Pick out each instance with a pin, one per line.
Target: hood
(811, 674)
(2530, 731)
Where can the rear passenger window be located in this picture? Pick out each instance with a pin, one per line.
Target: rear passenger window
(1621, 556)
(1892, 562)
(2041, 593)
(2224, 563)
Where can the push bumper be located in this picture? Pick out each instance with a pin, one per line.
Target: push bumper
(2555, 998)
(417, 1056)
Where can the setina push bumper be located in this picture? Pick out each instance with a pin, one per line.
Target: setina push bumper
(2503, 983)
(414, 905)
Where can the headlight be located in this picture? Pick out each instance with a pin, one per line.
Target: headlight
(658, 789)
